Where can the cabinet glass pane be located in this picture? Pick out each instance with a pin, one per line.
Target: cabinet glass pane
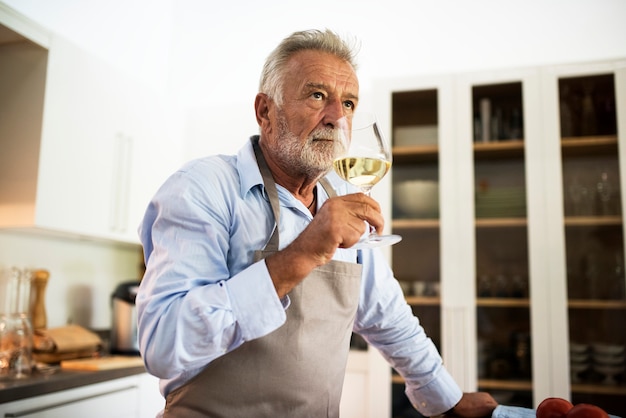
(415, 212)
(594, 241)
(502, 300)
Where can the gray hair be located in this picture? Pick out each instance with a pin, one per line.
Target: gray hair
(326, 41)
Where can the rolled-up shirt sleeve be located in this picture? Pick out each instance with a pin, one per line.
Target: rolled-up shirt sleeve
(201, 298)
(387, 322)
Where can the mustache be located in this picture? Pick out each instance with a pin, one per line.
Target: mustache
(326, 134)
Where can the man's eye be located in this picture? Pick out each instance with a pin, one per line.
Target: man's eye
(318, 96)
(349, 104)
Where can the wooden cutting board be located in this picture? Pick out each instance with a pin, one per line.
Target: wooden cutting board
(102, 363)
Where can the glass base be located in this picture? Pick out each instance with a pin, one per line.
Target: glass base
(374, 240)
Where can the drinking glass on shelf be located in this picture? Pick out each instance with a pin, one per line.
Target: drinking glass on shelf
(582, 198)
(604, 189)
(363, 162)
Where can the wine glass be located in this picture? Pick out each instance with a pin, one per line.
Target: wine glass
(364, 160)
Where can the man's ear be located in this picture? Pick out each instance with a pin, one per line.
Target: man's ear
(262, 109)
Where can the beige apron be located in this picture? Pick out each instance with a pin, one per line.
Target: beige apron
(298, 369)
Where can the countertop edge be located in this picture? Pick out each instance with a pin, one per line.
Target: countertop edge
(39, 384)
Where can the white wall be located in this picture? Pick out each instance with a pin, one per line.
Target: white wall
(83, 274)
(207, 55)
(218, 51)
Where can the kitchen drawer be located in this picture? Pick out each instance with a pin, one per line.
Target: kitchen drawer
(116, 398)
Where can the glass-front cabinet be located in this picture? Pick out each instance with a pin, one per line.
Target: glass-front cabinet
(503, 329)
(590, 105)
(415, 212)
(507, 189)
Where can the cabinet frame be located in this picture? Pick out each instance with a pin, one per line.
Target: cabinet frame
(548, 302)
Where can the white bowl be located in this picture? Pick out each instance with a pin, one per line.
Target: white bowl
(578, 357)
(578, 348)
(608, 349)
(417, 198)
(608, 359)
(577, 368)
(415, 135)
(406, 287)
(610, 373)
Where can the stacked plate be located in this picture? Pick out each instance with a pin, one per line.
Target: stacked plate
(608, 360)
(501, 202)
(579, 361)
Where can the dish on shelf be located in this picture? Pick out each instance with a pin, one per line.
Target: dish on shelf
(608, 359)
(608, 349)
(406, 287)
(417, 198)
(610, 373)
(500, 202)
(578, 348)
(576, 370)
(415, 135)
(578, 357)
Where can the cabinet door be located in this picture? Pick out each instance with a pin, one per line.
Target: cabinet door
(106, 147)
(498, 118)
(588, 106)
(418, 108)
(502, 299)
(150, 151)
(117, 398)
(81, 126)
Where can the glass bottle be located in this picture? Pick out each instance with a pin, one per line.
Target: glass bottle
(16, 334)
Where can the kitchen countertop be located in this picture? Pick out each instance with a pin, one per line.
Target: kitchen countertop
(43, 383)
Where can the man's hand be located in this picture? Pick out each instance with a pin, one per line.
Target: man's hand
(339, 223)
(475, 405)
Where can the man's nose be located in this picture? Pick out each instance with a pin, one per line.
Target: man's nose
(333, 112)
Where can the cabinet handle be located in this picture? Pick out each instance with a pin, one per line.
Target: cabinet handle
(121, 182)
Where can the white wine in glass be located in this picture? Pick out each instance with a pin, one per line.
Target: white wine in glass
(364, 161)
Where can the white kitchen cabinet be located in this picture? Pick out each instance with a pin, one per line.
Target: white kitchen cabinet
(90, 145)
(135, 396)
(365, 391)
(506, 247)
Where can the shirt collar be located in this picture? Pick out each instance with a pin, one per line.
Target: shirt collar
(248, 169)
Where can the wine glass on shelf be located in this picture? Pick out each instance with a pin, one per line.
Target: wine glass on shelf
(604, 192)
(364, 160)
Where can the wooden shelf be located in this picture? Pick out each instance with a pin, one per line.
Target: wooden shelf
(397, 379)
(520, 385)
(596, 304)
(513, 148)
(502, 303)
(570, 221)
(593, 221)
(599, 389)
(423, 300)
(525, 385)
(589, 145)
(415, 223)
(480, 223)
(415, 154)
(500, 222)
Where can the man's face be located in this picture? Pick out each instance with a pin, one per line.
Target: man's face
(320, 91)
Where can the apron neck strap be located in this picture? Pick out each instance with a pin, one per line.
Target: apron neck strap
(272, 192)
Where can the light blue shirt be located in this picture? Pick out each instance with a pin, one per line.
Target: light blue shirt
(203, 295)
